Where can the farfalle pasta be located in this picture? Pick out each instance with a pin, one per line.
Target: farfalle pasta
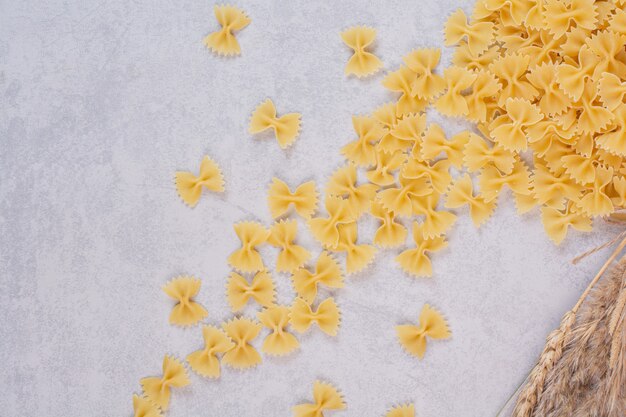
(386, 163)
(239, 291)
(405, 410)
(415, 261)
(479, 154)
(158, 389)
(205, 361)
(436, 222)
(303, 199)
(401, 81)
(435, 143)
(357, 256)
(432, 325)
(286, 127)
(326, 316)
(291, 256)
(242, 331)
(477, 35)
(343, 184)
(453, 102)
(231, 19)
(557, 221)
(362, 151)
(325, 397)
(327, 272)
(324, 229)
(399, 199)
(423, 62)
(279, 342)
(362, 63)
(189, 186)
(390, 233)
(142, 407)
(247, 258)
(186, 312)
(461, 193)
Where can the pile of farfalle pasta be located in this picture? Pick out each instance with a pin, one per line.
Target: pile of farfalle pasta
(544, 83)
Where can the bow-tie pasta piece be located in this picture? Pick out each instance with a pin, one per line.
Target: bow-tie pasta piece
(481, 103)
(453, 102)
(571, 75)
(325, 397)
(614, 141)
(303, 199)
(612, 90)
(597, 202)
(415, 261)
(390, 233)
(434, 143)
(291, 256)
(362, 151)
(247, 258)
(436, 223)
(423, 62)
(406, 410)
(158, 389)
(343, 184)
(509, 130)
(357, 256)
(560, 16)
(556, 222)
(186, 312)
(386, 164)
(551, 189)
(142, 407)
(431, 325)
(512, 12)
(477, 35)
(387, 117)
(242, 330)
(286, 127)
(205, 361)
(326, 316)
(478, 154)
(511, 70)
(401, 81)
(491, 180)
(553, 100)
(399, 199)
(327, 272)
(437, 174)
(361, 63)
(410, 129)
(189, 186)
(462, 193)
(239, 291)
(279, 341)
(324, 230)
(231, 19)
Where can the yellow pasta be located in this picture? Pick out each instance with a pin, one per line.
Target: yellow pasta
(239, 291)
(387, 117)
(325, 397)
(511, 11)
(303, 199)
(186, 312)
(556, 221)
(325, 229)
(205, 361)
(572, 75)
(326, 316)
(552, 99)
(400, 199)
(327, 272)
(405, 410)
(431, 325)
(461, 193)
(291, 256)
(551, 189)
(361, 63)
(189, 186)
(410, 129)
(437, 174)
(560, 16)
(612, 90)
(434, 143)
(401, 81)
(243, 355)
(511, 69)
(415, 261)
(423, 63)
(142, 407)
(247, 258)
(232, 19)
(362, 151)
(390, 233)
(386, 164)
(477, 35)
(158, 389)
(453, 102)
(491, 180)
(509, 130)
(614, 141)
(436, 222)
(478, 155)
(286, 127)
(357, 256)
(343, 184)
(596, 202)
(279, 341)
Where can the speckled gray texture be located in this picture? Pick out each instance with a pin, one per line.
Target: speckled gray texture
(102, 101)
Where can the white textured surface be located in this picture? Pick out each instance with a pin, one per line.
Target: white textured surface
(100, 102)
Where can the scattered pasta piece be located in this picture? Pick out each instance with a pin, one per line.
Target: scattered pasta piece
(325, 229)
(405, 410)
(423, 62)
(144, 408)
(431, 325)
(357, 256)
(326, 316)
(286, 127)
(303, 199)
(462, 193)
(325, 397)
(390, 233)
(205, 361)
(386, 163)
(186, 312)
(436, 222)
(189, 186)
(232, 19)
(435, 143)
(453, 102)
(327, 272)
(362, 151)
(399, 200)
(291, 256)
(239, 291)
(361, 63)
(343, 184)
(401, 81)
(279, 341)
(477, 35)
(242, 331)
(158, 389)
(556, 222)
(247, 258)
(414, 261)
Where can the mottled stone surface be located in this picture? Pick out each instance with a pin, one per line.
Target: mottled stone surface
(101, 101)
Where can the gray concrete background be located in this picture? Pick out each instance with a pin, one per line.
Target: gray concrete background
(101, 101)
